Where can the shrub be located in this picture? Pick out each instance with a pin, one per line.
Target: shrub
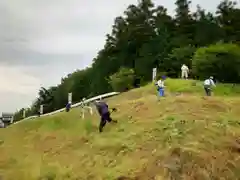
(179, 56)
(160, 75)
(122, 80)
(221, 61)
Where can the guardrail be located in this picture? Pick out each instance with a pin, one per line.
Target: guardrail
(73, 105)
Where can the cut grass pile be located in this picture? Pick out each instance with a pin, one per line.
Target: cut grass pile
(188, 137)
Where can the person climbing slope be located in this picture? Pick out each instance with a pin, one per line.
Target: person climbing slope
(103, 111)
(208, 83)
(160, 87)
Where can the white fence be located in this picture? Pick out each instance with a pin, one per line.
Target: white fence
(73, 105)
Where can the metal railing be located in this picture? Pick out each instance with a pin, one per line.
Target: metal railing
(72, 106)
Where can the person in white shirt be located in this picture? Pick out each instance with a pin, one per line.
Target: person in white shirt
(207, 84)
(185, 71)
(160, 87)
(85, 105)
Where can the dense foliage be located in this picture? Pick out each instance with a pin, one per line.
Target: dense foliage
(145, 36)
(221, 61)
(122, 80)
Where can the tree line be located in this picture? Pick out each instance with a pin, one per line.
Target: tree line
(146, 36)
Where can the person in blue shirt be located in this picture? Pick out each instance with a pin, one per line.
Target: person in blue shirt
(68, 107)
(103, 111)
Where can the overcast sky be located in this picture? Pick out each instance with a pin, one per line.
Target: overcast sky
(44, 40)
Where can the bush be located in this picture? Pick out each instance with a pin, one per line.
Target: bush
(160, 75)
(179, 56)
(221, 61)
(123, 80)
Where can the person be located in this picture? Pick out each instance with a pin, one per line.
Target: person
(160, 86)
(85, 105)
(103, 111)
(68, 107)
(208, 83)
(185, 71)
(2, 125)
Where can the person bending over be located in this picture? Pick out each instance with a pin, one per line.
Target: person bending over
(208, 84)
(103, 111)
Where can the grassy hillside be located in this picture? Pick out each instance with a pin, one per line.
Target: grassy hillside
(184, 136)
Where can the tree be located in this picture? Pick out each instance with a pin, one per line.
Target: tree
(177, 57)
(122, 80)
(184, 24)
(162, 44)
(207, 30)
(221, 61)
(140, 33)
(228, 17)
(145, 36)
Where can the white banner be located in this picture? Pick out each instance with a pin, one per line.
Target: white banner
(154, 74)
(70, 98)
(24, 113)
(41, 109)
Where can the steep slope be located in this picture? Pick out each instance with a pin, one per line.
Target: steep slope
(184, 136)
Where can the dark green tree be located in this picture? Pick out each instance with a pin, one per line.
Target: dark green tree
(184, 32)
(207, 30)
(145, 36)
(228, 16)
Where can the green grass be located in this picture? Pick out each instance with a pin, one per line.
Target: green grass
(188, 136)
(192, 86)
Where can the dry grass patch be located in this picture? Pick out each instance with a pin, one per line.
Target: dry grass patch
(181, 137)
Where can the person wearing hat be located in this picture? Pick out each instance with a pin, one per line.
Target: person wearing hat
(208, 84)
(103, 111)
(160, 87)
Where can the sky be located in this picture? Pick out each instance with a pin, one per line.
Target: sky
(44, 40)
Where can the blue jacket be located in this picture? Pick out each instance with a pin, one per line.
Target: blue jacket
(102, 108)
